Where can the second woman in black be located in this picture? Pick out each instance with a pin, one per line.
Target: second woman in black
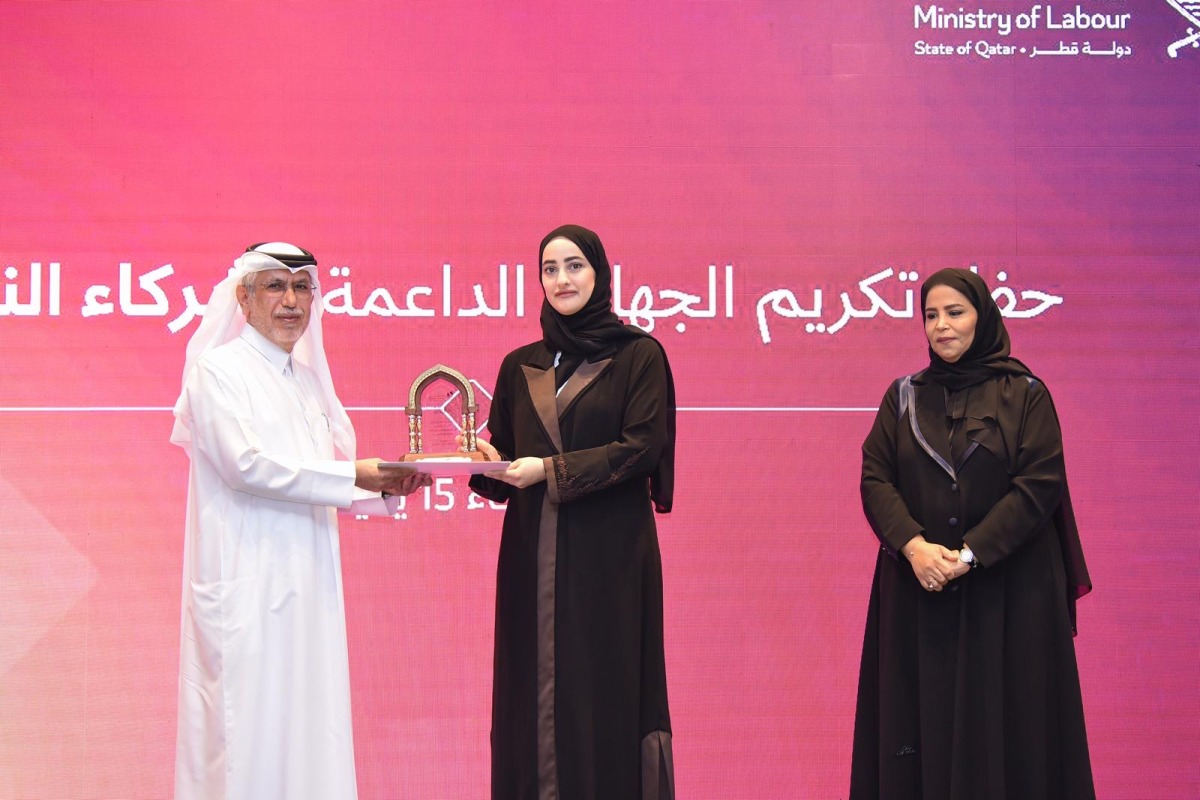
(587, 414)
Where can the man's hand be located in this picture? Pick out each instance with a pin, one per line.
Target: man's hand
(393, 480)
(409, 483)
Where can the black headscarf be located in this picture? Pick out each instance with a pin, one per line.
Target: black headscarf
(988, 355)
(595, 332)
(986, 359)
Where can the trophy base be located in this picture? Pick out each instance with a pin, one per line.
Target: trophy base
(456, 455)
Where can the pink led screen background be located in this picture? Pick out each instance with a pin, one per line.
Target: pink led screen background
(774, 179)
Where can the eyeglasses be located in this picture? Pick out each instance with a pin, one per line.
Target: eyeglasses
(302, 288)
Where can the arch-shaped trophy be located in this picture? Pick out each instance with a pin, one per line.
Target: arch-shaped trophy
(416, 433)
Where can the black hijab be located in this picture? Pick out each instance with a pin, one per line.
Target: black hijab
(595, 332)
(988, 355)
(988, 359)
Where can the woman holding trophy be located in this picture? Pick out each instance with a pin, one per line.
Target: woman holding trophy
(586, 414)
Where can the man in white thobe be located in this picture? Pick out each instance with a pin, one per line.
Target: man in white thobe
(264, 682)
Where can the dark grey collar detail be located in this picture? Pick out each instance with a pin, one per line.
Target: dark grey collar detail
(908, 403)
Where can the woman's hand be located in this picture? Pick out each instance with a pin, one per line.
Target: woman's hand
(960, 567)
(489, 453)
(933, 565)
(522, 472)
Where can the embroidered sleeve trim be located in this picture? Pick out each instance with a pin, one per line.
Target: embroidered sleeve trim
(572, 487)
(551, 479)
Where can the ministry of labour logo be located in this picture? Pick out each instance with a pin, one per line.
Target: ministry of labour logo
(1190, 10)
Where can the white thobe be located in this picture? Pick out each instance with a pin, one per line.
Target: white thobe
(264, 681)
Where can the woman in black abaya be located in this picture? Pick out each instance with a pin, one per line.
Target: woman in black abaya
(587, 414)
(968, 688)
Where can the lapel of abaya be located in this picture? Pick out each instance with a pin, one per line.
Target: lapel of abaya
(929, 416)
(552, 406)
(927, 412)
